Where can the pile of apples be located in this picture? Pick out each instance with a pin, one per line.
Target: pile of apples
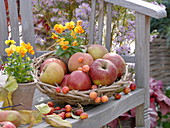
(84, 71)
(67, 111)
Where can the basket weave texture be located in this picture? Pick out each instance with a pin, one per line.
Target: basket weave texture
(73, 97)
(160, 61)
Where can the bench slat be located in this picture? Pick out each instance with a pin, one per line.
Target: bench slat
(3, 28)
(101, 21)
(142, 7)
(108, 25)
(27, 21)
(13, 14)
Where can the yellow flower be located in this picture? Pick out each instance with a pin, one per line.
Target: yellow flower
(73, 34)
(79, 22)
(74, 43)
(78, 29)
(62, 43)
(10, 42)
(59, 28)
(28, 47)
(54, 36)
(64, 47)
(10, 50)
(59, 40)
(21, 50)
(70, 25)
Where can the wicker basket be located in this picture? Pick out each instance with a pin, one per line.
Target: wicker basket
(74, 97)
(160, 61)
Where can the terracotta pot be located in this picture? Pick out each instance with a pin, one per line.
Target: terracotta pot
(24, 94)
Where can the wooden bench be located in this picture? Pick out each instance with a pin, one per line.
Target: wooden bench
(102, 114)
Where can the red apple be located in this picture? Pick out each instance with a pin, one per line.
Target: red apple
(65, 80)
(118, 61)
(103, 72)
(79, 80)
(97, 51)
(74, 62)
(60, 62)
(7, 124)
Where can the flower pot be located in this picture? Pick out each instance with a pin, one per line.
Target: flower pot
(24, 94)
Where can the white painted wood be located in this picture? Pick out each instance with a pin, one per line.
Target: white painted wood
(13, 14)
(92, 22)
(27, 21)
(3, 28)
(108, 25)
(101, 21)
(141, 6)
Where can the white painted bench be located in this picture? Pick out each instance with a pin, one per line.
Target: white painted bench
(104, 113)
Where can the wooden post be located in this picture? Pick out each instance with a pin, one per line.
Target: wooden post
(142, 64)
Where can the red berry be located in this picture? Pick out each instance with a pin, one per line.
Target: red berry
(65, 89)
(132, 86)
(117, 96)
(57, 108)
(126, 90)
(85, 68)
(94, 87)
(50, 104)
(58, 89)
(68, 108)
(78, 112)
(62, 115)
(84, 115)
(104, 99)
(68, 114)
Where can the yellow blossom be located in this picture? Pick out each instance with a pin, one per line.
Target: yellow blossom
(73, 34)
(10, 42)
(28, 47)
(21, 50)
(54, 36)
(70, 25)
(64, 47)
(74, 43)
(10, 50)
(59, 28)
(79, 22)
(78, 29)
(59, 40)
(62, 43)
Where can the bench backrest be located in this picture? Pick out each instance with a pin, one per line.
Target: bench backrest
(19, 14)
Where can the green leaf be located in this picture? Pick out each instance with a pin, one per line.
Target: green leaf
(74, 116)
(57, 121)
(43, 108)
(11, 84)
(3, 94)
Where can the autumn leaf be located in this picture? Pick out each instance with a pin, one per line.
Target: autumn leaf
(57, 121)
(43, 108)
(3, 94)
(11, 84)
(31, 117)
(8, 101)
